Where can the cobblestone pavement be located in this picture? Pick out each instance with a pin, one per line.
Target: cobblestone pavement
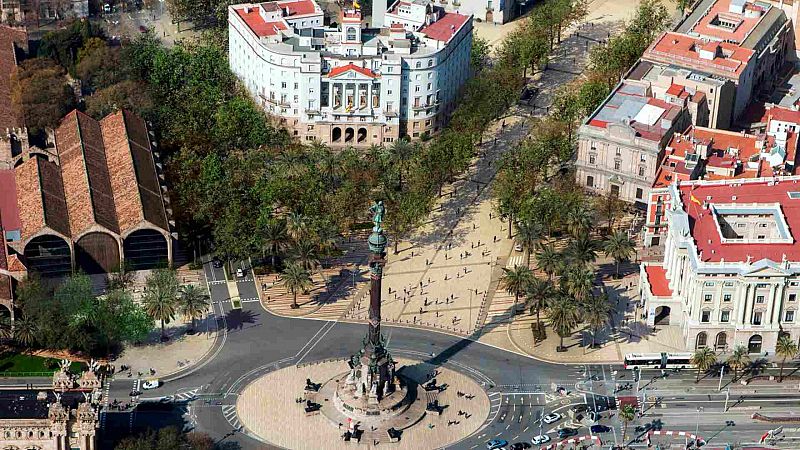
(267, 409)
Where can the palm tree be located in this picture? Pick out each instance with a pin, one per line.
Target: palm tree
(296, 279)
(579, 220)
(738, 359)
(563, 317)
(578, 281)
(160, 298)
(306, 254)
(538, 296)
(581, 250)
(547, 259)
(786, 348)
(402, 151)
(25, 331)
(597, 314)
(297, 226)
(194, 302)
(528, 233)
(275, 239)
(620, 247)
(516, 281)
(627, 414)
(703, 358)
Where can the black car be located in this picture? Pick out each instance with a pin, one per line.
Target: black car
(597, 429)
(216, 263)
(580, 409)
(520, 446)
(567, 432)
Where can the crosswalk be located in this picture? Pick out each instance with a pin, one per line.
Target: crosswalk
(229, 412)
(514, 261)
(187, 396)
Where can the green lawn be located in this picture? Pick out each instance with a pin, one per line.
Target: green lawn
(17, 363)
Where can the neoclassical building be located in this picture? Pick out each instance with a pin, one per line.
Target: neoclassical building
(730, 274)
(352, 85)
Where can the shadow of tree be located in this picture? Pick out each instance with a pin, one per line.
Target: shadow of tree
(236, 319)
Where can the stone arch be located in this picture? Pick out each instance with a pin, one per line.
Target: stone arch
(662, 315)
(721, 341)
(145, 249)
(362, 135)
(701, 341)
(754, 344)
(49, 255)
(349, 133)
(336, 134)
(97, 252)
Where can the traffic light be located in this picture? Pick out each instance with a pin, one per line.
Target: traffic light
(636, 374)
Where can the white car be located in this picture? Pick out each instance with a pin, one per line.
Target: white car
(150, 384)
(240, 273)
(541, 439)
(551, 418)
(518, 247)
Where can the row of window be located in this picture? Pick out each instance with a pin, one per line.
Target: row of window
(725, 316)
(760, 299)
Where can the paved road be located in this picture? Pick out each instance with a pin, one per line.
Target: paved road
(254, 342)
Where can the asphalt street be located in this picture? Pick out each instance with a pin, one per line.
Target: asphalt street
(253, 342)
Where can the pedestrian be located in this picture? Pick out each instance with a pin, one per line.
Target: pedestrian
(429, 280)
(473, 226)
(426, 261)
(479, 242)
(420, 311)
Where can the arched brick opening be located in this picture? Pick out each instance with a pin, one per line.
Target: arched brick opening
(49, 255)
(362, 135)
(348, 134)
(336, 134)
(97, 252)
(145, 249)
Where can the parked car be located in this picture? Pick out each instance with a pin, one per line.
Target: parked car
(239, 273)
(551, 418)
(216, 263)
(496, 443)
(597, 429)
(151, 383)
(567, 432)
(541, 439)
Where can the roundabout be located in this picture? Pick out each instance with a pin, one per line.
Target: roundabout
(269, 410)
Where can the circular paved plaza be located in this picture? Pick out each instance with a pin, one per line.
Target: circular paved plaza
(268, 408)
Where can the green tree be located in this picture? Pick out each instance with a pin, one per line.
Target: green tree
(160, 298)
(578, 282)
(581, 251)
(627, 413)
(548, 259)
(130, 95)
(306, 254)
(703, 359)
(193, 302)
(6, 329)
(597, 314)
(98, 65)
(620, 247)
(579, 220)
(296, 279)
(610, 207)
(516, 281)
(738, 360)
(41, 93)
(538, 295)
(25, 331)
(564, 317)
(528, 234)
(785, 348)
(275, 239)
(479, 53)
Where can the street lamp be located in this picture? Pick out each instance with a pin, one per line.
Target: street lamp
(697, 425)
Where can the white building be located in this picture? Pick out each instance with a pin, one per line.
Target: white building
(731, 268)
(352, 85)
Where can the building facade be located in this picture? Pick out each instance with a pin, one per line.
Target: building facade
(352, 85)
(621, 144)
(730, 274)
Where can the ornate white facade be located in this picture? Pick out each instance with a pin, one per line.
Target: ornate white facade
(731, 269)
(352, 85)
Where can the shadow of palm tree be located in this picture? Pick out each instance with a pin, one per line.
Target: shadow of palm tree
(236, 319)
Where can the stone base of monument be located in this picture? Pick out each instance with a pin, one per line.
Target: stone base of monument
(399, 409)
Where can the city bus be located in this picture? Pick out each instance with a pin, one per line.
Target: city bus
(658, 360)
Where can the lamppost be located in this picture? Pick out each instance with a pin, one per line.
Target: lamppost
(721, 371)
(697, 425)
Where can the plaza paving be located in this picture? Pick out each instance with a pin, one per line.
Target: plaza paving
(267, 409)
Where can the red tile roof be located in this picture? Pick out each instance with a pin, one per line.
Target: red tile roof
(682, 49)
(657, 279)
(40, 197)
(675, 89)
(446, 27)
(9, 118)
(703, 226)
(9, 213)
(719, 9)
(298, 7)
(336, 71)
(258, 25)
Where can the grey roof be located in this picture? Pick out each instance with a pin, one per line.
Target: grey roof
(699, 11)
(774, 18)
(24, 404)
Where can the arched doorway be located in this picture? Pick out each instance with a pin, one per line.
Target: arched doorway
(97, 253)
(349, 133)
(362, 135)
(721, 342)
(754, 344)
(336, 134)
(702, 340)
(145, 249)
(49, 255)
(662, 315)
